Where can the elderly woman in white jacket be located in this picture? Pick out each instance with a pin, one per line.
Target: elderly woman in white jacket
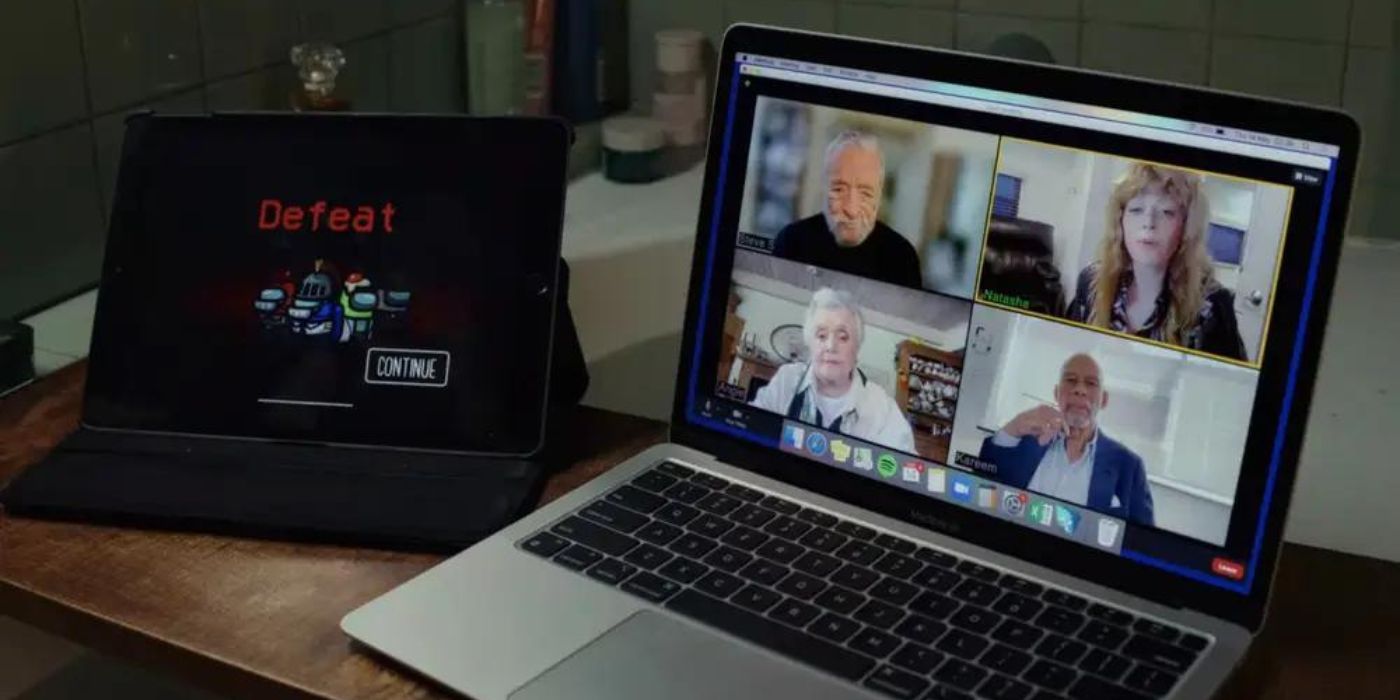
(828, 390)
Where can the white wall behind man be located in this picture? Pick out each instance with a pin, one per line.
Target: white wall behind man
(1184, 418)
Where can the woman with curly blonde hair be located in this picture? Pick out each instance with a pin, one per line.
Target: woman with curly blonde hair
(1153, 275)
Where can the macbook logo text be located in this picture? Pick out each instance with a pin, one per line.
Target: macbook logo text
(935, 522)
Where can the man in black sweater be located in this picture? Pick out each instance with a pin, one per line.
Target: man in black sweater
(846, 236)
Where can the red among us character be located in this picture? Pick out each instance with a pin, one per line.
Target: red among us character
(273, 301)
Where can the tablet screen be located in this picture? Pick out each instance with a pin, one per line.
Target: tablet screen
(382, 281)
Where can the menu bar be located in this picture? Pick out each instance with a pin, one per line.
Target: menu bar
(1210, 136)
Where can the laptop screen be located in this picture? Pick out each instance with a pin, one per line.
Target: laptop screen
(332, 279)
(1051, 313)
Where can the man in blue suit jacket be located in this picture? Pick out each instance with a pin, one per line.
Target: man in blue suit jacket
(1060, 451)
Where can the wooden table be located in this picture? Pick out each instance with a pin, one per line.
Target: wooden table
(254, 618)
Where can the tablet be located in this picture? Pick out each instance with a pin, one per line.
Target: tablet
(384, 281)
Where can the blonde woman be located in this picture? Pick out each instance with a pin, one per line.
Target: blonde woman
(1153, 276)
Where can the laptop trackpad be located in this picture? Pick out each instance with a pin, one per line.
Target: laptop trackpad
(651, 655)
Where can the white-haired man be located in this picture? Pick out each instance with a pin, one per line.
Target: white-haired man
(847, 236)
(828, 390)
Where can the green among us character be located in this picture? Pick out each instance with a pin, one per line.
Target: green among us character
(357, 301)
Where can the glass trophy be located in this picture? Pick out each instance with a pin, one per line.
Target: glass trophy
(317, 65)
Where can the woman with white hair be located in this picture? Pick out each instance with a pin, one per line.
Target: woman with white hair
(829, 390)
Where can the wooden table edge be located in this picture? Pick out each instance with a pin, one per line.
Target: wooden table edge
(41, 414)
(600, 445)
(113, 637)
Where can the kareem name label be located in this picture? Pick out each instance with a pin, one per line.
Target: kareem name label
(273, 214)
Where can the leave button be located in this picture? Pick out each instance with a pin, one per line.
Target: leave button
(407, 367)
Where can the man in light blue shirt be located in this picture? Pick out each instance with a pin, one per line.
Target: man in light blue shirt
(1060, 450)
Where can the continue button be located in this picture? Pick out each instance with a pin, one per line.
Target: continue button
(404, 367)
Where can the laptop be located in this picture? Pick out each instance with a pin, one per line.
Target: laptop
(993, 382)
(295, 334)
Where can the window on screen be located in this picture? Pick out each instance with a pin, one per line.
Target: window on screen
(1226, 244)
(1007, 201)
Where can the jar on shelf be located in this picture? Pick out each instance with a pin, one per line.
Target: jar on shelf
(318, 64)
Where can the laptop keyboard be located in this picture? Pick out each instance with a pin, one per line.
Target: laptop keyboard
(905, 620)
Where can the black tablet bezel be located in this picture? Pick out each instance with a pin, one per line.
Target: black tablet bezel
(125, 220)
(1196, 104)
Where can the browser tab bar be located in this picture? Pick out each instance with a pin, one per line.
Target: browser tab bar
(1216, 137)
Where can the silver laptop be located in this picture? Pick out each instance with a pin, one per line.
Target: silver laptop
(993, 384)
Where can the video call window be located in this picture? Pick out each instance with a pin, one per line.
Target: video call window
(855, 356)
(1180, 257)
(889, 199)
(1161, 431)
(1078, 325)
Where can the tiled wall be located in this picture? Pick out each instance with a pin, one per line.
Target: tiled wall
(1328, 52)
(69, 70)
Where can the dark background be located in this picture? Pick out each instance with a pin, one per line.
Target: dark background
(179, 348)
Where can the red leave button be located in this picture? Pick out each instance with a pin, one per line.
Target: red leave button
(1228, 569)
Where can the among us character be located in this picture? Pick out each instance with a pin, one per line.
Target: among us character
(273, 301)
(313, 311)
(357, 304)
(393, 302)
(361, 305)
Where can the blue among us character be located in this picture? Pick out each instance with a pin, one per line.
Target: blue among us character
(313, 311)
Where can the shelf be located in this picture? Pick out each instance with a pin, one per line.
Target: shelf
(953, 397)
(956, 389)
(935, 371)
(932, 416)
(934, 377)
